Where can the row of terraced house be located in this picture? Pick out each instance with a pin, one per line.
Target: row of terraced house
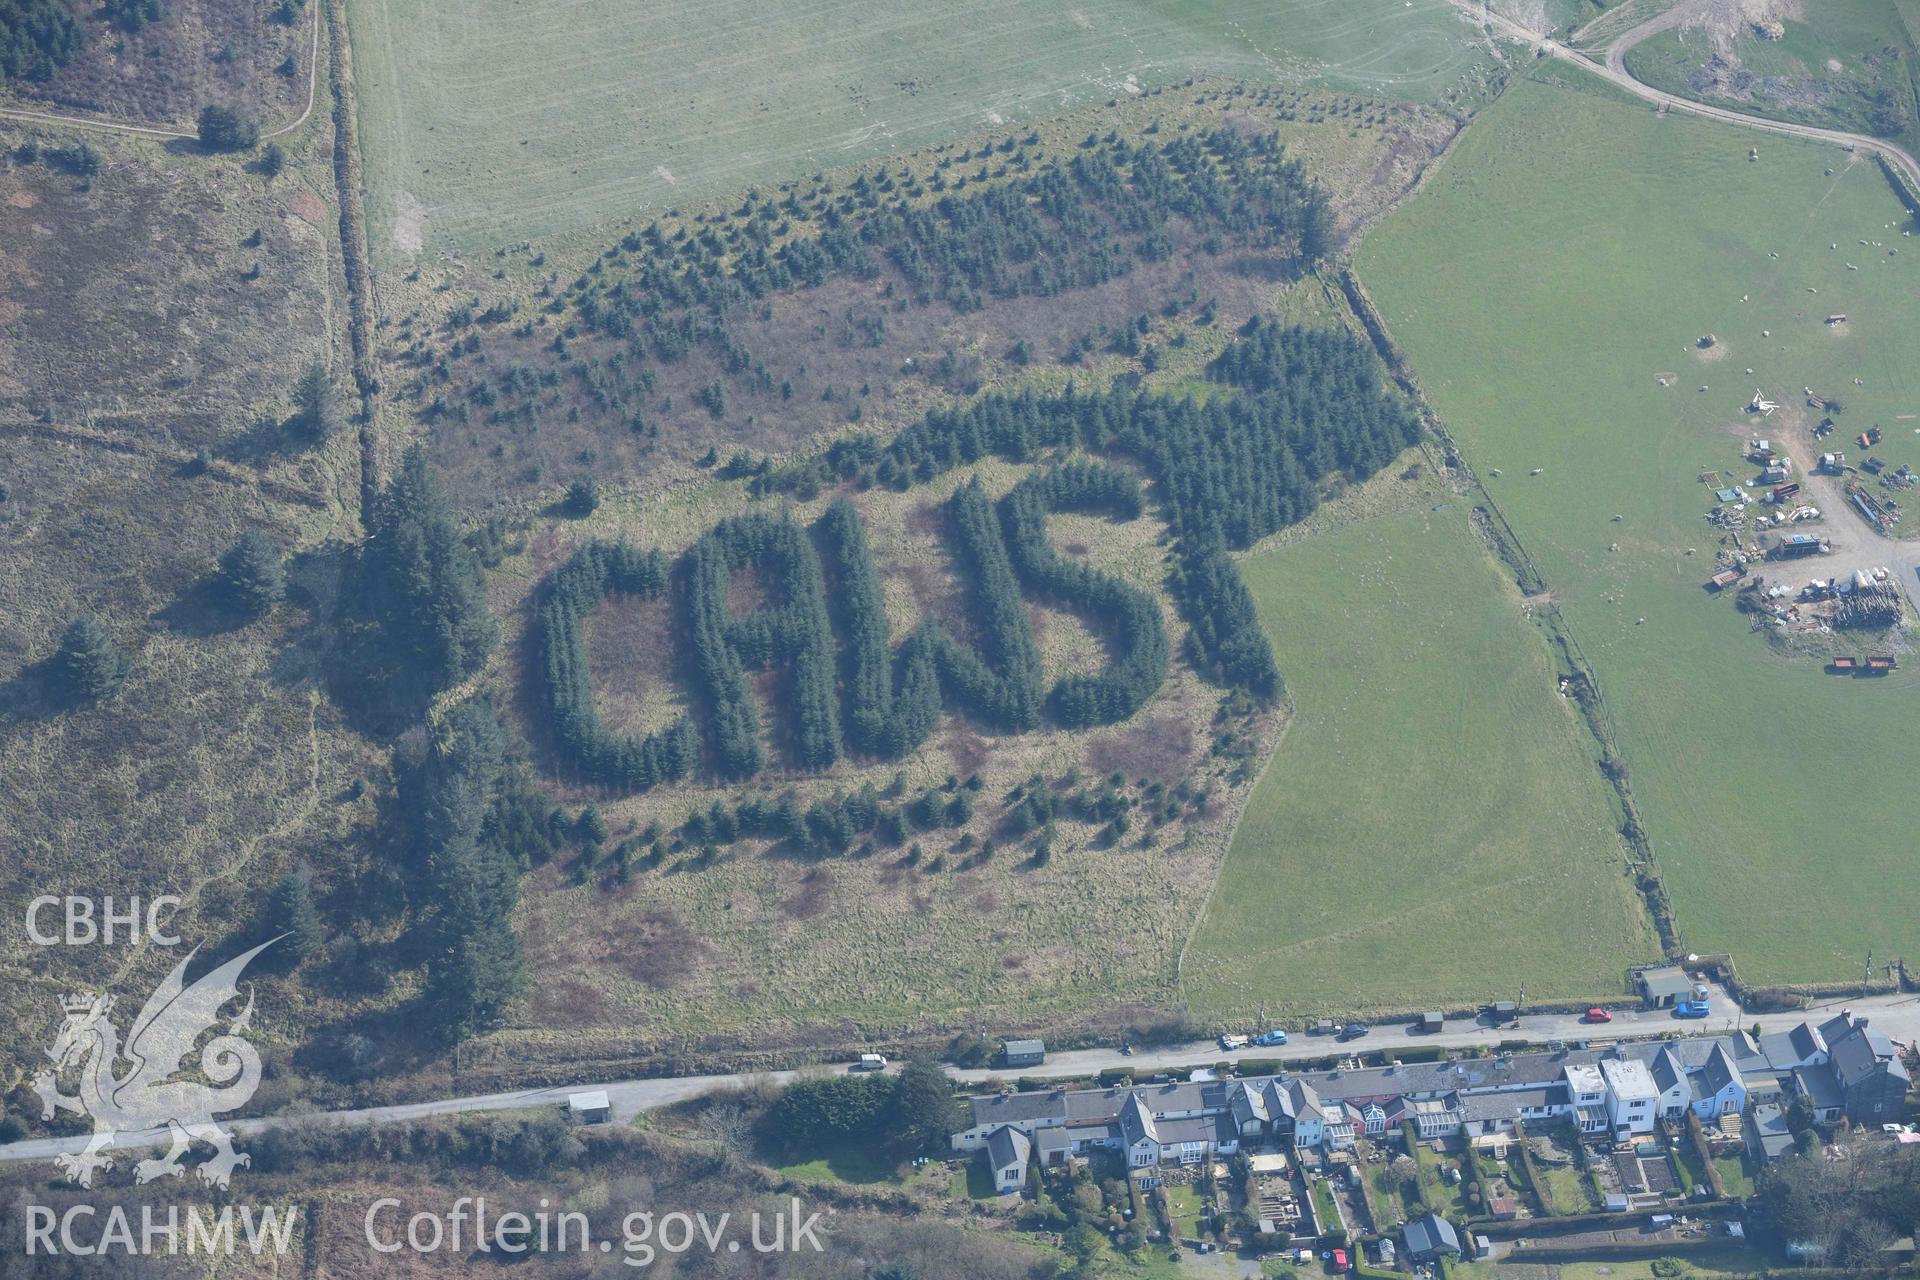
(1841, 1067)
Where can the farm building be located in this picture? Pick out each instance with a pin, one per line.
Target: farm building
(1795, 545)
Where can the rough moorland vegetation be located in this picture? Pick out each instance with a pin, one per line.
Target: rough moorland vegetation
(157, 60)
(777, 321)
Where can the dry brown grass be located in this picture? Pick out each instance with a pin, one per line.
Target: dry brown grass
(762, 947)
(131, 342)
(202, 51)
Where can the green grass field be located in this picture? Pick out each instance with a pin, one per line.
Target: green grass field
(853, 1163)
(483, 126)
(1570, 249)
(1846, 64)
(1432, 826)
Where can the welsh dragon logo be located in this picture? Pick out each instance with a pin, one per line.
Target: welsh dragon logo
(146, 1097)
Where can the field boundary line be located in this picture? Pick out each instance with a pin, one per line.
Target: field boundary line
(1598, 712)
(355, 261)
(157, 131)
(1193, 930)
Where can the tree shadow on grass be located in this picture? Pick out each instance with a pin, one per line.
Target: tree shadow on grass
(265, 440)
(203, 611)
(31, 696)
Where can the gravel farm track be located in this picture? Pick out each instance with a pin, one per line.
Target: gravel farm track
(1614, 69)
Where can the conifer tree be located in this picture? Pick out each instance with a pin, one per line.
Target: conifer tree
(419, 601)
(291, 917)
(252, 575)
(88, 666)
(316, 405)
(468, 880)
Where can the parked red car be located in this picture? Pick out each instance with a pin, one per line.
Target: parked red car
(1597, 1015)
(1340, 1264)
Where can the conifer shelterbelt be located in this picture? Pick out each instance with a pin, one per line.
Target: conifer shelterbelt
(1127, 614)
(794, 630)
(37, 38)
(317, 413)
(292, 919)
(1298, 405)
(576, 589)
(466, 870)
(227, 129)
(1305, 404)
(417, 611)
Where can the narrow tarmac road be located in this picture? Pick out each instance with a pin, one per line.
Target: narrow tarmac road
(1897, 1015)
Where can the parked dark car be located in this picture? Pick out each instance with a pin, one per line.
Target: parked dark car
(1354, 1030)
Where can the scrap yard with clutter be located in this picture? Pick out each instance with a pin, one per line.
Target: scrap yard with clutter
(1808, 544)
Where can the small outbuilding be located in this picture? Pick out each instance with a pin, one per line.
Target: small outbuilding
(1767, 1134)
(593, 1107)
(1024, 1053)
(1430, 1238)
(1664, 986)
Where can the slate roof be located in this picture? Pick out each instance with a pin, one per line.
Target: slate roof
(1715, 1074)
(1666, 1070)
(1095, 1106)
(1007, 1146)
(1510, 1104)
(1250, 1103)
(1768, 1126)
(1137, 1122)
(1052, 1141)
(1785, 1050)
(1835, 1028)
(1213, 1129)
(1820, 1087)
(1858, 1054)
(1431, 1235)
(1325, 1095)
(1018, 1108)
